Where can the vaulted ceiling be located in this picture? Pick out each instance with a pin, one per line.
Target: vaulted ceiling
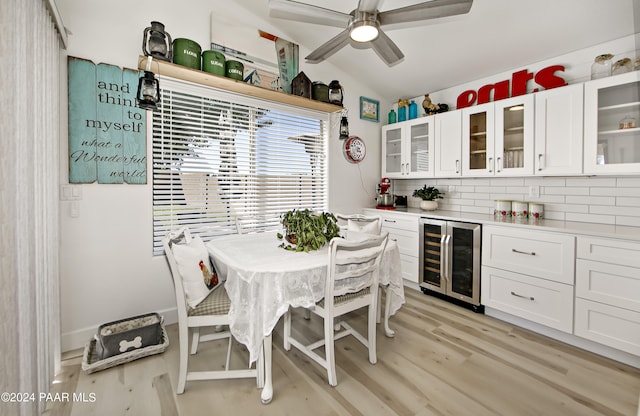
(495, 36)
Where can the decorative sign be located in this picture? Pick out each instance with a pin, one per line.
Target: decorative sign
(546, 78)
(107, 131)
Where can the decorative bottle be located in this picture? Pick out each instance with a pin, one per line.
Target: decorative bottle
(392, 116)
(413, 110)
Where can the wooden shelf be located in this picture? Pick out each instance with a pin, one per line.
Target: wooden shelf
(168, 69)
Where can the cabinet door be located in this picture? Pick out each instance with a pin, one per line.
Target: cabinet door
(392, 162)
(611, 133)
(448, 144)
(514, 136)
(478, 140)
(558, 131)
(418, 148)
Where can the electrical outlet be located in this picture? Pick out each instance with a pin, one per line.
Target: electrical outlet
(534, 191)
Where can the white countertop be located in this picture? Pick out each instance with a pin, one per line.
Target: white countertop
(584, 228)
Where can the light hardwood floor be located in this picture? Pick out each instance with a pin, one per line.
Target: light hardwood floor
(444, 360)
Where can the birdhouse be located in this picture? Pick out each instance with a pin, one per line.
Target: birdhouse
(301, 85)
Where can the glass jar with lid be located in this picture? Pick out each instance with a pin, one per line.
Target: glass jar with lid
(622, 66)
(601, 66)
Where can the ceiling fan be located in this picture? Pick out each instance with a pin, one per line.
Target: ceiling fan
(363, 25)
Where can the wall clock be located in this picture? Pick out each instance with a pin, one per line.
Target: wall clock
(354, 149)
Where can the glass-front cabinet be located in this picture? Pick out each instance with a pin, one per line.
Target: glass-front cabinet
(497, 138)
(408, 149)
(611, 129)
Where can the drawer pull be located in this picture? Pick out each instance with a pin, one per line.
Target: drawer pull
(530, 253)
(386, 220)
(523, 297)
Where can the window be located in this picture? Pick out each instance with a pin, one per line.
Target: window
(218, 156)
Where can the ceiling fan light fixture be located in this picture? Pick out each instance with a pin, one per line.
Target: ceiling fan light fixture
(363, 31)
(365, 27)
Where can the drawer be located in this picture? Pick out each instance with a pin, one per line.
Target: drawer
(407, 241)
(616, 327)
(409, 265)
(391, 221)
(537, 253)
(623, 252)
(537, 300)
(608, 283)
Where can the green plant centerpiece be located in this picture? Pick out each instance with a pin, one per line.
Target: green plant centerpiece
(428, 193)
(305, 230)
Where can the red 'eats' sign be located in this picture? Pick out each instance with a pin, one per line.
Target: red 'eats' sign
(545, 78)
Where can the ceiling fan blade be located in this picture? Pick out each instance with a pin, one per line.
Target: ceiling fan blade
(369, 6)
(386, 49)
(425, 11)
(302, 12)
(329, 48)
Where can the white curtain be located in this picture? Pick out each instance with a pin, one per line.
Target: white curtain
(30, 47)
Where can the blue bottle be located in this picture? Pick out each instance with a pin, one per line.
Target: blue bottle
(402, 113)
(413, 110)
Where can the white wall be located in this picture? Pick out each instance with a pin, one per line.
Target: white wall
(106, 266)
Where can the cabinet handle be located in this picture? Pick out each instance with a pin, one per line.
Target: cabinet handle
(490, 164)
(523, 297)
(498, 167)
(540, 161)
(457, 166)
(386, 220)
(530, 253)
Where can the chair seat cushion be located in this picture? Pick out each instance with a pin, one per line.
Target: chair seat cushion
(347, 297)
(216, 303)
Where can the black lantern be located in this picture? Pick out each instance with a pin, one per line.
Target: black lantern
(156, 42)
(148, 92)
(335, 93)
(344, 127)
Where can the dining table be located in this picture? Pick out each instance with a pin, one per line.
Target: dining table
(263, 280)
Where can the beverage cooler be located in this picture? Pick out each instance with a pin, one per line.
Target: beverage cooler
(450, 261)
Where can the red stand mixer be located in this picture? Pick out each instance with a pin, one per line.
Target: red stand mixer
(384, 199)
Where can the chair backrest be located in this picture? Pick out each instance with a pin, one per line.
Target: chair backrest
(354, 264)
(360, 223)
(182, 236)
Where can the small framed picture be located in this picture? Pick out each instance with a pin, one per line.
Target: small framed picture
(369, 109)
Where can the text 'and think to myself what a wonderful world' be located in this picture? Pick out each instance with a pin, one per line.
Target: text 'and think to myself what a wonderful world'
(107, 131)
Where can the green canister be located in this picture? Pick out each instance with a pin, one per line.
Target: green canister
(320, 91)
(186, 53)
(235, 70)
(213, 62)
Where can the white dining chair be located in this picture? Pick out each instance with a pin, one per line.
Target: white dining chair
(352, 279)
(212, 311)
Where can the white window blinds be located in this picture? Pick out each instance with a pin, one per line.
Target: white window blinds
(218, 156)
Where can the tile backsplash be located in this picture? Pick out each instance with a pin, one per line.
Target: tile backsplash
(603, 199)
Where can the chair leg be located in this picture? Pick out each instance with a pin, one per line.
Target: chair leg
(226, 366)
(379, 301)
(287, 329)
(371, 339)
(330, 352)
(183, 333)
(195, 339)
(307, 314)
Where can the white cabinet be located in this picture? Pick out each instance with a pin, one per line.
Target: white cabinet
(558, 131)
(448, 144)
(408, 149)
(529, 274)
(611, 120)
(497, 138)
(608, 292)
(404, 230)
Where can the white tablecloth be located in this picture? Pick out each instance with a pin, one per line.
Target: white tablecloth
(263, 280)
